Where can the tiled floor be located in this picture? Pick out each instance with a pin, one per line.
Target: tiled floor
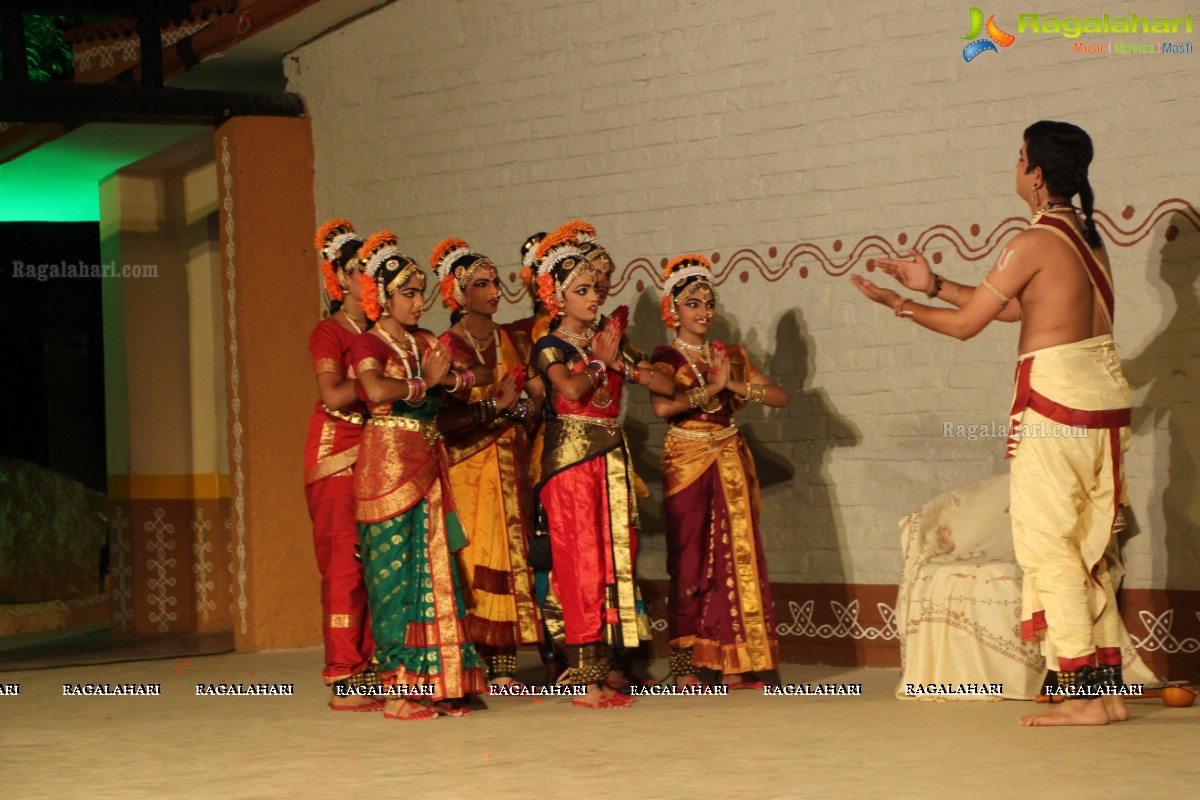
(746, 745)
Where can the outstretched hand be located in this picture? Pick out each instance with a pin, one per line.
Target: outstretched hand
(885, 297)
(915, 274)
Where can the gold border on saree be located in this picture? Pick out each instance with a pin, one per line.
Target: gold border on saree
(353, 417)
(603, 422)
(428, 430)
(711, 436)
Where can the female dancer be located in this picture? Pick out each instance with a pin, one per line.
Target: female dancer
(487, 450)
(720, 613)
(537, 324)
(334, 431)
(525, 333)
(406, 518)
(586, 493)
(620, 676)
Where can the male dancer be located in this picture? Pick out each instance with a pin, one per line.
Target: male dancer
(1070, 414)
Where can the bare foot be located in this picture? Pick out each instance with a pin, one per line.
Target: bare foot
(682, 680)
(1070, 712)
(616, 697)
(504, 682)
(355, 702)
(600, 697)
(1115, 706)
(618, 680)
(742, 680)
(456, 707)
(407, 710)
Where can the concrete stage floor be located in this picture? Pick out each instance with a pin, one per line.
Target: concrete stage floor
(181, 746)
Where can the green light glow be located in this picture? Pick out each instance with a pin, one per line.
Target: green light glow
(59, 181)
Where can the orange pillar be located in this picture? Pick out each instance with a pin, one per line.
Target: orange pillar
(265, 177)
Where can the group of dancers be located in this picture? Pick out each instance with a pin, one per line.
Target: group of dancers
(483, 478)
(473, 492)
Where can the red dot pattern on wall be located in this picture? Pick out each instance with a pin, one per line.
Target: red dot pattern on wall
(941, 239)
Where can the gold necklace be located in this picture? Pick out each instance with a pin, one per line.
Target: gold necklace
(353, 322)
(705, 350)
(478, 344)
(391, 340)
(574, 338)
(1050, 207)
(714, 405)
(601, 397)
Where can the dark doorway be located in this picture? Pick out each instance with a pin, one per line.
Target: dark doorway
(52, 342)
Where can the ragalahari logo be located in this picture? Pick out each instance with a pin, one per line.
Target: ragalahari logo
(995, 36)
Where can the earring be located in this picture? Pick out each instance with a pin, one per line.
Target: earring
(1038, 208)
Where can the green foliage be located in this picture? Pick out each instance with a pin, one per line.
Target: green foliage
(48, 56)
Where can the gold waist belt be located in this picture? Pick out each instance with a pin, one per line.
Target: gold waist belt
(711, 436)
(602, 422)
(352, 417)
(428, 430)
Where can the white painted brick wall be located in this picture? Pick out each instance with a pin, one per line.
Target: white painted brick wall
(678, 126)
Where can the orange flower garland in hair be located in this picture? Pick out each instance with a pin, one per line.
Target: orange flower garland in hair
(668, 300)
(324, 234)
(561, 236)
(545, 290)
(370, 295)
(446, 281)
(578, 226)
(588, 239)
(332, 287)
(545, 280)
(529, 262)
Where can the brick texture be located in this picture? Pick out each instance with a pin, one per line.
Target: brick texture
(723, 127)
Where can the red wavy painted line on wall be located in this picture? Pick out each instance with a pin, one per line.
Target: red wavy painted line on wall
(642, 273)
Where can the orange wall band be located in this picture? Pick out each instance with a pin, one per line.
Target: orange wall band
(202, 486)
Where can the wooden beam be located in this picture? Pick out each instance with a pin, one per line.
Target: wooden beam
(74, 103)
(168, 9)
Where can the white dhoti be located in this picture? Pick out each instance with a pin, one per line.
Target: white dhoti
(1070, 429)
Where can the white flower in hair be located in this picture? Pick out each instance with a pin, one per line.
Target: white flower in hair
(334, 246)
(557, 254)
(382, 255)
(529, 257)
(443, 267)
(681, 275)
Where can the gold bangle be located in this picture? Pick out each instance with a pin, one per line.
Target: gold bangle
(755, 392)
(698, 397)
(898, 306)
